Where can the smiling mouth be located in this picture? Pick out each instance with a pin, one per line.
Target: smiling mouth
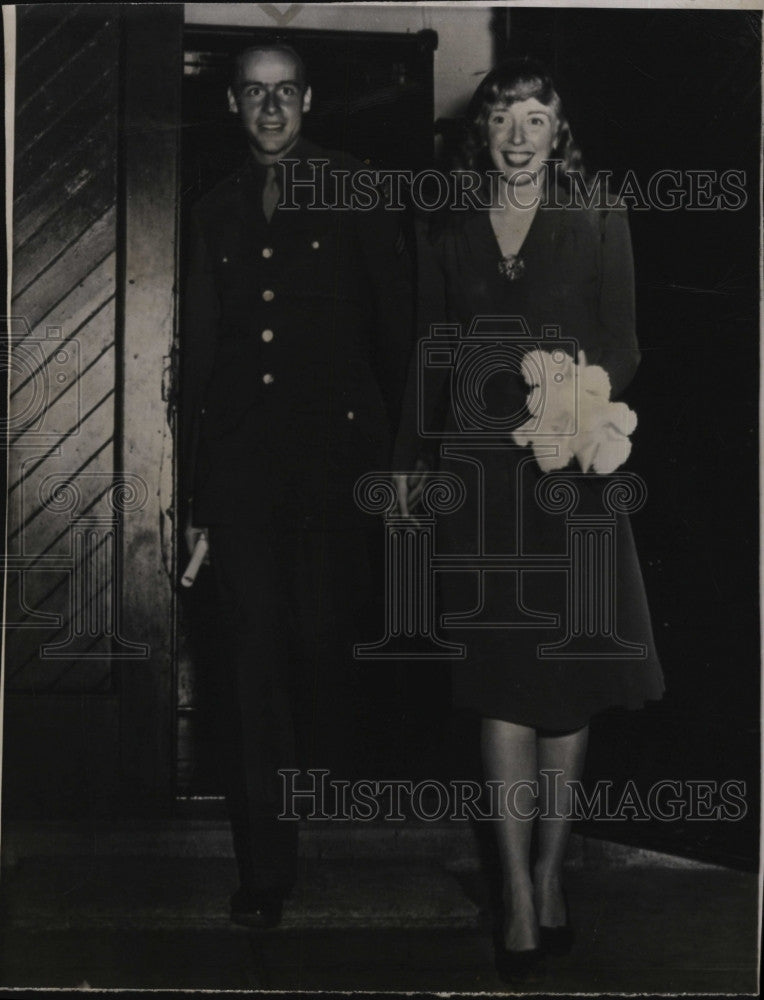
(271, 126)
(517, 159)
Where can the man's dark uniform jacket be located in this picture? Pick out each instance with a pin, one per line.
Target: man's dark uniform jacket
(296, 338)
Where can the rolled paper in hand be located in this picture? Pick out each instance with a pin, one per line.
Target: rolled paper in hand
(196, 560)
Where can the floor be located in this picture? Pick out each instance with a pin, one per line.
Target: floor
(367, 924)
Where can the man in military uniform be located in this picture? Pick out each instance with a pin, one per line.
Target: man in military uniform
(296, 337)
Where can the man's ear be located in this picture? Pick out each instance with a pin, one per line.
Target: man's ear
(233, 104)
(306, 99)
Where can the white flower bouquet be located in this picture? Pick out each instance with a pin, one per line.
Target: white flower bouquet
(572, 415)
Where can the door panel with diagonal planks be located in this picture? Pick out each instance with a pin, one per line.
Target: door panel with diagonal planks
(75, 499)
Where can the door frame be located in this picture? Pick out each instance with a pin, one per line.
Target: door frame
(151, 74)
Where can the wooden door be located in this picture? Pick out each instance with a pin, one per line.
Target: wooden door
(89, 616)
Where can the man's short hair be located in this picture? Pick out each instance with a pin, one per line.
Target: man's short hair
(238, 60)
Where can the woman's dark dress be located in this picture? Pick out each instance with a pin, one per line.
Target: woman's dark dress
(578, 276)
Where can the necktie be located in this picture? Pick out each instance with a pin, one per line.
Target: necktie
(271, 193)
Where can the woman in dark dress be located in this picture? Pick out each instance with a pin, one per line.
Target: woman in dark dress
(533, 254)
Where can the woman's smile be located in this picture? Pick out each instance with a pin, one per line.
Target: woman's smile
(514, 159)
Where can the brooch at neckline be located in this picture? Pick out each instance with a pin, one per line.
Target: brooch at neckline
(511, 267)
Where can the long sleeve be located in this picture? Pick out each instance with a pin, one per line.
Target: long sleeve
(389, 267)
(433, 385)
(199, 326)
(616, 312)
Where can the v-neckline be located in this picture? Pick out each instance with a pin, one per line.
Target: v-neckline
(526, 239)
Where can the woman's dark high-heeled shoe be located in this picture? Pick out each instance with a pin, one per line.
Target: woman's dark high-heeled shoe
(557, 940)
(514, 965)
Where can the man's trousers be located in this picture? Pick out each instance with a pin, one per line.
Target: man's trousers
(291, 603)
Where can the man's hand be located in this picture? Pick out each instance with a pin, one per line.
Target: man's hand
(193, 534)
(409, 488)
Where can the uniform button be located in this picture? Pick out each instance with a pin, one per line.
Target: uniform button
(225, 260)
(204, 410)
(351, 415)
(267, 252)
(315, 244)
(267, 336)
(268, 295)
(268, 378)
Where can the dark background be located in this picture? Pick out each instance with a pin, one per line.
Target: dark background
(680, 90)
(645, 91)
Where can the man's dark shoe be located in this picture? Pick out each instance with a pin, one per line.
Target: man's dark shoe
(260, 911)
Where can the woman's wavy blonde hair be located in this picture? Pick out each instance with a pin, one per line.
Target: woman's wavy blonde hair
(516, 80)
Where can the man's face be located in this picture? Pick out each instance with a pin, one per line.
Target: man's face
(270, 101)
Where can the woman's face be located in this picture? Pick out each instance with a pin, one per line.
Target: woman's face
(521, 135)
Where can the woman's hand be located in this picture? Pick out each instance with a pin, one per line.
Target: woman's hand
(409, 488)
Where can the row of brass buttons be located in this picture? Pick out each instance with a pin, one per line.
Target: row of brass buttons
(267, 252)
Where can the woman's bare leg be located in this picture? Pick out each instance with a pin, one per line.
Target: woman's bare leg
(509, 756)
(563, 753)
